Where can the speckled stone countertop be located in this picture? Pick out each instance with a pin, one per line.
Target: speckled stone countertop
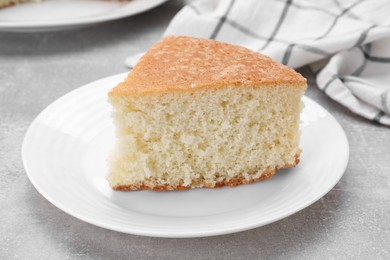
(351, 222)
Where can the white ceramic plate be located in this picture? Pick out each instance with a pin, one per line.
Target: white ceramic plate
(64, 14)
(64, 153)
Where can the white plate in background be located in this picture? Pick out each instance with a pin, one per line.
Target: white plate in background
(63, 14)
(65, 149)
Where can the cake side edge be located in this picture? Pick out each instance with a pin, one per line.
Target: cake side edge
(231, 183)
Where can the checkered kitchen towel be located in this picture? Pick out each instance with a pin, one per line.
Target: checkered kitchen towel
(345, 42)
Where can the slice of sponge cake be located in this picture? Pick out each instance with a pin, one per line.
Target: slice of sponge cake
(5, 3)
(201, 113)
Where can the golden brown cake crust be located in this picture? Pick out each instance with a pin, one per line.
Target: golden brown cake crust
(232, 183)
(182, 63)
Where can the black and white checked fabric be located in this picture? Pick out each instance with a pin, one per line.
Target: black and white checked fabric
(345, 42)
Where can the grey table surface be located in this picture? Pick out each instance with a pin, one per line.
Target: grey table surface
(351, 221)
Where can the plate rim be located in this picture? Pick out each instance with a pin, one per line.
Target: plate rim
(81, 21)
(243, 227)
